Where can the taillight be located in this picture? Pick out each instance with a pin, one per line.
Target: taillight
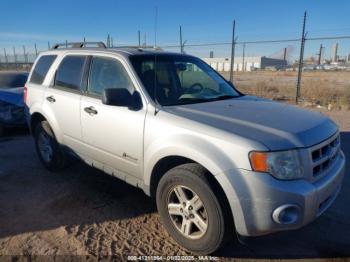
(25, 91)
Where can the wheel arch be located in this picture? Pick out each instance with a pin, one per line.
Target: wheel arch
(35, 119)
(169, 162)
(38, 116)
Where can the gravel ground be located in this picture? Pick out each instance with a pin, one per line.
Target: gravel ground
(84, 212)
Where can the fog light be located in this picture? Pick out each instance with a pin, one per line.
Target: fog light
(286, 214)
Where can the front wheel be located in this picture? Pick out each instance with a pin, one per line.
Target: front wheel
(190, 210)
(49, 151)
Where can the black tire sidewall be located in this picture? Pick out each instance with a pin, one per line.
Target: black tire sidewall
(2, 129)
(214, 236)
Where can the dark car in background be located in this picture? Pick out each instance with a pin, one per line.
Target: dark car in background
(11, 99)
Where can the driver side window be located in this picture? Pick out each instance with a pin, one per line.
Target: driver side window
(107, 73)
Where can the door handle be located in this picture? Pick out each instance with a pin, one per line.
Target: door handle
(90, 110)
(51, 99)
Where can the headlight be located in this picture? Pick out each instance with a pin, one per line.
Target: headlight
(284, 165)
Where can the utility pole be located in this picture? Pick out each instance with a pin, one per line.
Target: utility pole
(301, 59)
(181, 43)
(48, 45)
(232, 51)
(320, 54)
(243, 63)
(285, 56)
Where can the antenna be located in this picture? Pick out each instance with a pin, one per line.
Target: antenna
(155, 25)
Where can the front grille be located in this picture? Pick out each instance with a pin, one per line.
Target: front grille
(324, 156)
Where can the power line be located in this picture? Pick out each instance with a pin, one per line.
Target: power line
(262, 41)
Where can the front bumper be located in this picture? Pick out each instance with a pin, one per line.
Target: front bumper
(254, 197)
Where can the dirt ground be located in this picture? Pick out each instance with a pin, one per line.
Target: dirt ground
(82, 211)
(317, 87)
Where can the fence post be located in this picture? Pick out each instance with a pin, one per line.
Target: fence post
(243, 56)
(24, 54)
(36, 50)
(181, 44)
(232, 51)
(139, 36)
(15, 57)
(301, 59)
(6, 58)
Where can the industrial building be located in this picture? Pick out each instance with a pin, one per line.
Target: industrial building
(335, 53)
(245, 63)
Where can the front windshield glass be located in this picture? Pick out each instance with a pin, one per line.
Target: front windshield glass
(178, 79)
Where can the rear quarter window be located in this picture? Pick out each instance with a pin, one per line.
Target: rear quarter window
(70, 72)
(41, 68)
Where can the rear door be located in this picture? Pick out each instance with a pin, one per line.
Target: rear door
(113, 135)
(62, 100)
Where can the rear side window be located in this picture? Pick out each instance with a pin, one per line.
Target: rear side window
(70, 72)
(41, 68)
(108, 73)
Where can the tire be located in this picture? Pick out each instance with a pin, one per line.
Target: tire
(48, 149)
(197, 238)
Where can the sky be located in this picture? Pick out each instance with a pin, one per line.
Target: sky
(36, 21)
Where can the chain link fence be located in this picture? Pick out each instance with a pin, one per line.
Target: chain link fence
(268, 68)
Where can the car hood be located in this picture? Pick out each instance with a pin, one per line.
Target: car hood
(278, 126)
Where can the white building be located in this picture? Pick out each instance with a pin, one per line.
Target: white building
(246, 64)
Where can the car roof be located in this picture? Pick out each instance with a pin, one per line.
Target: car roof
(122, 51)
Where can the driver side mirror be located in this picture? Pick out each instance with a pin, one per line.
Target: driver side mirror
(121, 97)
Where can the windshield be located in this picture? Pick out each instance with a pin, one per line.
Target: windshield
(178, 79)
(12, 80)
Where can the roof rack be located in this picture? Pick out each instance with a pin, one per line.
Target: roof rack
(78, 45)
(139, 48)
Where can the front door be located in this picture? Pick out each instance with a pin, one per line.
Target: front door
(113, 136)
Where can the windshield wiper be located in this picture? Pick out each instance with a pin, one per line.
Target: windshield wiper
(223, 97)
(194, 100)
(187, 100)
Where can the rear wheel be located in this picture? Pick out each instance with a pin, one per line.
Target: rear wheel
(49, 151)
(190, 210)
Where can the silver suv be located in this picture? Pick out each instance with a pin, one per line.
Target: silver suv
(217, 161)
